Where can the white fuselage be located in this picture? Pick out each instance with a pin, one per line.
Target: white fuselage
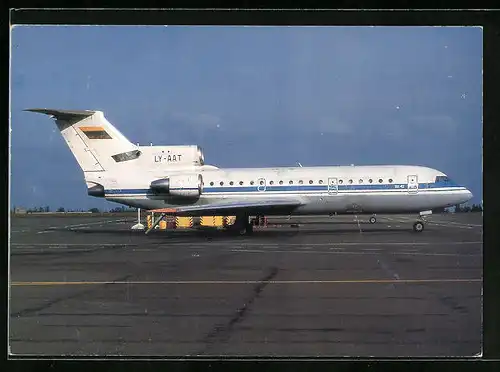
(175, 178)
(338, 189)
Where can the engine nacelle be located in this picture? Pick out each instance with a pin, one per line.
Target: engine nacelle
(184, 185)
(95, 189)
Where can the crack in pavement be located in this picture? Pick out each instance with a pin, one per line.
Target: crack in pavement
(48, 304)
(220, 333)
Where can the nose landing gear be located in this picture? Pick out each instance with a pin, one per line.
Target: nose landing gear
(418, 226)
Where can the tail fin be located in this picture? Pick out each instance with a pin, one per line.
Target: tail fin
(96, 144)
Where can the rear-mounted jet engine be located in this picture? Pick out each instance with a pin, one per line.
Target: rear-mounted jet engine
(185, 185)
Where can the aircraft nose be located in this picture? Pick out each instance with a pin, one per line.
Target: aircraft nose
(468, 195)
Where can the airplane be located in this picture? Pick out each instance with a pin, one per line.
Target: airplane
(174, 180)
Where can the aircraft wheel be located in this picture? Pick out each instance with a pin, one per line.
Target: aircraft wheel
(249, 229)
(245, 230)
(418, 226)
(245, 226)
(373, 219)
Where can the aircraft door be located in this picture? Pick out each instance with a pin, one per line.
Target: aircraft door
(333, 187)
(412, 184)
(261, 184)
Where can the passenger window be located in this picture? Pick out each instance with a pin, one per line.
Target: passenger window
(301, 182)
(211, 183)
(241, 182)
(281, 182)
(390, 180)
(360, 180)
(251, 182)
(341, 182)
(320, 182)
(350, 181)
(310, 182)
(271, 182)
(380, 180)
(370, 180)
(231, 183)
(221, 183)
(261, 182)
(290, 182)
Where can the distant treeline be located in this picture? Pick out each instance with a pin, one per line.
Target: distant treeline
(460, 209)
(47, 209)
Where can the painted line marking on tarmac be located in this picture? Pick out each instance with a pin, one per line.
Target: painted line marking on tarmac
(461, 226)
(51, 229)
(445, 223)
(458, 225)
(170, 282)
(448, 225)
(355, 253)
(240, 246)
(63, 245)
(91, 223)
(357, 243)
(99, 223)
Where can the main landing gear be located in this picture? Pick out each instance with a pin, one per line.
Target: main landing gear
(242, 225)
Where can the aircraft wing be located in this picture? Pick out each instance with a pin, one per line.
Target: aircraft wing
(284, 206)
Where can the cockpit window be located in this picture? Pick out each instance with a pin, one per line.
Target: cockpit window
(441, 179)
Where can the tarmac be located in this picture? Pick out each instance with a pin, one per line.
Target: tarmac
(328, 287)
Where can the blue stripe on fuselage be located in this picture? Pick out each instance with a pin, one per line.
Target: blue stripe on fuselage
(298, 188)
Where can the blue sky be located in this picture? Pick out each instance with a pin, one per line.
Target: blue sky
(251, 97)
